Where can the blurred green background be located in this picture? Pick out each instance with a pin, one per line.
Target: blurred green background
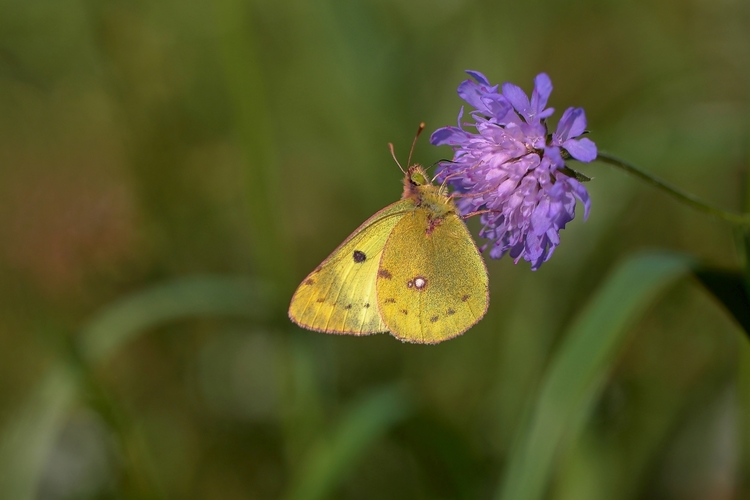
(171, 170)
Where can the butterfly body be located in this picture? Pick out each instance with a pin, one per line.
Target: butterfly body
(411, 269)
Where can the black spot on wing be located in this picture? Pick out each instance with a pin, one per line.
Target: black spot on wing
(385, 274)
(464, 298)
(367, 305)
(389, 301)
(348, 306)
(450, 312)
(433, 319)
(359, 256)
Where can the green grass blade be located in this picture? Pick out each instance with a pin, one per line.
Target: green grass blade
(581, 366)
(31, 432)
(329, 461)
(183, 298)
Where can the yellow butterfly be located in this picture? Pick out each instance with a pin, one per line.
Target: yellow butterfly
(411, 269)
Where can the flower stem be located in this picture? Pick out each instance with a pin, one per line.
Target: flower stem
(675, 192)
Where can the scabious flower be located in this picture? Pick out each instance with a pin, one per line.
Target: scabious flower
(514, 169)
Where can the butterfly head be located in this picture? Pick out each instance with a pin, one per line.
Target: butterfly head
(415, 181)
(419, 187)
(417, 176)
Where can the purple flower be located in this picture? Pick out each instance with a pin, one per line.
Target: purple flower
(513, 168)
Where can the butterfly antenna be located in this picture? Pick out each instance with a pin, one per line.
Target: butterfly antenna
(393, 154)
(414, 143)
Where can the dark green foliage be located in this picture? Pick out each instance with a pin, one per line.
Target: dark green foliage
(729, 288)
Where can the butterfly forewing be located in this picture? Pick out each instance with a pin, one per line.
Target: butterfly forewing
(432, 281)
(340, 295)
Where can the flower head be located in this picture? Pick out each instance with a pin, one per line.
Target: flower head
(514, 169)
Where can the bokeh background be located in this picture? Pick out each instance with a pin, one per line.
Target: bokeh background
(169, 172)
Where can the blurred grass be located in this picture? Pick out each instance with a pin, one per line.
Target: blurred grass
(195, 296)
(331, 459)
(30, 434)
(161, 142)
(27, 438)
(580, 368)
(246, 88)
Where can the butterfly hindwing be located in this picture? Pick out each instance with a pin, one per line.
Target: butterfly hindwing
(340, 295)
(411, 269)
(432, 281)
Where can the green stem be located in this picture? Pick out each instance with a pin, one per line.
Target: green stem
(675, 192)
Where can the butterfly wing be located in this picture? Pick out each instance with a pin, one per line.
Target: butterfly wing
(432, 283)
(339, 296)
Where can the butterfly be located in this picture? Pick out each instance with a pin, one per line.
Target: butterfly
(412, 269)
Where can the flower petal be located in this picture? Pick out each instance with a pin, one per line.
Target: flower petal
(517, 98)
(541, 93)
(581, 149)
(582, 194)
(572, 124)
(546, 113)
(479, 77)
(579, 123)
(553, 153)
(473, 92)
(497, 106)
(448, 135)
